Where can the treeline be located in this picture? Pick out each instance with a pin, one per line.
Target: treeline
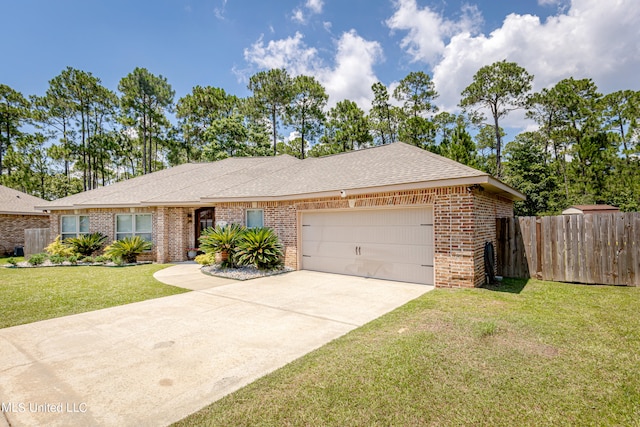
(81, 135)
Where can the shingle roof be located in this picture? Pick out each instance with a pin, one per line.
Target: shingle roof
(185, 183)
(15, 202)
(595, 207)
(373, 167)
(282, 176)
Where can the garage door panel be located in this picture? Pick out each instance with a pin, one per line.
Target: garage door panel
(400, 273)
(338, 249)
(416, 254)
(422, 255)
(379, 269)
(409, 235)
(394, 244)
(393, 217)
(316, 233)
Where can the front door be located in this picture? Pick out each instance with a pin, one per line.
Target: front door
(205, 218)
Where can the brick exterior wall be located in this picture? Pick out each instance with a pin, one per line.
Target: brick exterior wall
(12, 229)
(487, 207)
(104, 221)
(464, 219)
(281, 216)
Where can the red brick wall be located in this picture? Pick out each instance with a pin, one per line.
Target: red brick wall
(464, 220)
(453, 229)
(12, 229)
(487, 207)
(104, 221)
(281, 216)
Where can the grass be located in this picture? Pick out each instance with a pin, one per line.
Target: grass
(3, 259)
(31, 294)
(541, 354)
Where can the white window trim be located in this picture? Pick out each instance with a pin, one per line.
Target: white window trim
(66, 235)
(246, 216)
(133, 231)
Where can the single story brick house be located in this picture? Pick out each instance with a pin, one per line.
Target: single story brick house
(393, 212)
(18, 213)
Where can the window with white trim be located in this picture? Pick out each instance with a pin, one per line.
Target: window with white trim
(131, 225)
(255, 218)
(73, 225)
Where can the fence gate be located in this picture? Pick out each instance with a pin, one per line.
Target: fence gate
(595, 249)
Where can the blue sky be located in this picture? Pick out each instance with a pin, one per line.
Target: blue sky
(346, 44)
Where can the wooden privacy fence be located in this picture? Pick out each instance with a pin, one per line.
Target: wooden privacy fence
(596, 249)
(35, 240)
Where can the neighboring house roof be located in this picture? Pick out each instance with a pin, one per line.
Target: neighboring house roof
(589, 209)
(14, 202)
(390, 167)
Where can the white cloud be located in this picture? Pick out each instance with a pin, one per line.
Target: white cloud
(591, 38)
(290, 53)
(298, 16)
(315, 6)
(427, 30)
(350, 76)
(219, 11)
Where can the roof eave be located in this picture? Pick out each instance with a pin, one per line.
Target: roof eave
(504, 190)
(23, 213)
(144, 204)
(489, 183)
(90, 206)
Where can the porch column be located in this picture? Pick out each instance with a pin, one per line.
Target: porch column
(162, 235)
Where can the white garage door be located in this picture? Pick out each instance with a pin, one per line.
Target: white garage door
(393, 244)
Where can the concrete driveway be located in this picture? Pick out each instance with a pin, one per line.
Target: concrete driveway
(157, 361)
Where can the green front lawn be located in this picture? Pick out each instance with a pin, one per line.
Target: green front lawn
(543, 354)
(31, 294)
(3, 259)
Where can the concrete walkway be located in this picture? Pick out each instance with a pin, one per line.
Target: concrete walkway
(154, 362)
(188, 275)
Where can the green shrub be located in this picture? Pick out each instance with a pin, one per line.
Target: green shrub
(12, 261)
(87, 244)
(58, 247)
(37, 259)
(127, 249)
(88, 260)
(223, 240)
(57, 259)
(260, 248)
(73, 259)
(206, 259)
(101, 259)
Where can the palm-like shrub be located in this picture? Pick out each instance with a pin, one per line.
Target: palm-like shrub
(260, 247)
(87, 244)
(224, 240)
(128, 248)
